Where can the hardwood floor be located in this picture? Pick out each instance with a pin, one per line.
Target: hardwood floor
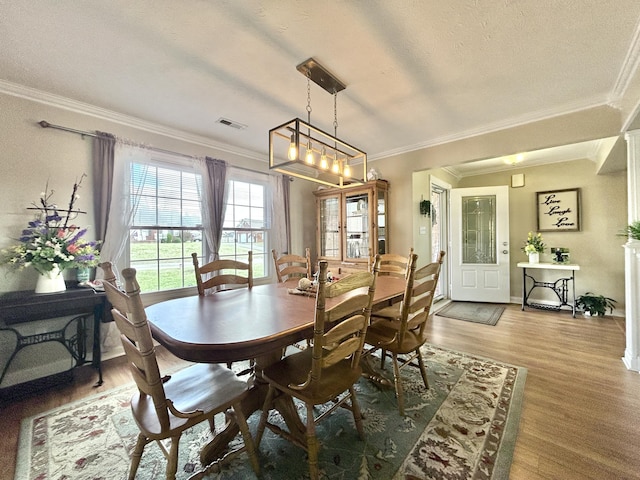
(581, 409)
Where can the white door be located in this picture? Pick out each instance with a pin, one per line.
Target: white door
(480, 244)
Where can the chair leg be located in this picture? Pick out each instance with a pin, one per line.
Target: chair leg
(172, 460)
(312, 444)
(265, 415)
(137, 455)
(246, 436)
(423, 368)
(397, 380)
(357, 414)
(383, 354)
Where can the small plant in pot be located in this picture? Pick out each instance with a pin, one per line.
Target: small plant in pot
(592, 304)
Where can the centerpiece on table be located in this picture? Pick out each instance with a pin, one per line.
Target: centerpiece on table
(533, 247)
(52, 243)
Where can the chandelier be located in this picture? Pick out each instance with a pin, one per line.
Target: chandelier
(301, 150)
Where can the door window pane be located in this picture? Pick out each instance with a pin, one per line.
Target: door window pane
(479, 229)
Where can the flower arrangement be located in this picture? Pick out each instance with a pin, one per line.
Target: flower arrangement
(534, 244)
(50, 242)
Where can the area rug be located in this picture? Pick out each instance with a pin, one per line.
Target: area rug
(464, 426)
(485, 313)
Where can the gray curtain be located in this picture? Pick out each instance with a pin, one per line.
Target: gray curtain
(103, 164)
(286, 194)
(215, 203)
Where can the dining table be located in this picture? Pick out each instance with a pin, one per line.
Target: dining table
(255, 324)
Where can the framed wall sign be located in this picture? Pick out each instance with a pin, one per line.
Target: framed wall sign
(558, 210)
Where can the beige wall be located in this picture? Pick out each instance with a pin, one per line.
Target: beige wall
(31, 155)
(596, 247)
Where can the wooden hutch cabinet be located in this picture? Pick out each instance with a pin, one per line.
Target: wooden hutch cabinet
(352, 225)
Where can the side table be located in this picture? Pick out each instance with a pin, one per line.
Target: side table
(560, 287)
(26, 306)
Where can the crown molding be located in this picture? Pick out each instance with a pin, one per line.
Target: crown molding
(498, 126)
(75, 106)
(628, 70)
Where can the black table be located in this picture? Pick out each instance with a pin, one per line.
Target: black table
(26, 306)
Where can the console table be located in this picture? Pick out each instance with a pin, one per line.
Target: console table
(560, 287)
(26, 306)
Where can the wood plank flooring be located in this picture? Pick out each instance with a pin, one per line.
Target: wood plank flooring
(581, 409)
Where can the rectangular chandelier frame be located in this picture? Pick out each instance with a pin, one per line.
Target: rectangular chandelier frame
(301, 134)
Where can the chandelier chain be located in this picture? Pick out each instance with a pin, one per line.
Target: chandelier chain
(308, 98)
(335, 113)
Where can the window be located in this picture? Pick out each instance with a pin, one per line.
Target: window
(246, 224)
(166, 227)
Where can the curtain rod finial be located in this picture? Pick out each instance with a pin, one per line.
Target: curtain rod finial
(44, 123)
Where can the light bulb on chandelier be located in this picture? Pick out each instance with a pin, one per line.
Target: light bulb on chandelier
(335, 166)
(309, 156)
(324, 163)
(347, 168)
(293, 149)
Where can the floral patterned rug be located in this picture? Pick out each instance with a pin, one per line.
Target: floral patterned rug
(463, 427)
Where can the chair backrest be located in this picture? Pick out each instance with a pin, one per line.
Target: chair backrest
(345, 307)
(418, 295)
(135, 335)
(395, 265)
(220, 275)
(288, 266)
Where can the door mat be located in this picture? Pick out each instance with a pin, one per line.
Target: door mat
(485, 313)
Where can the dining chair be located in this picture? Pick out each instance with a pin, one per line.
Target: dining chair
(165, 406)
(400, 329)
(291, 265)
(394, 265)
(329, 368)
(217, 275)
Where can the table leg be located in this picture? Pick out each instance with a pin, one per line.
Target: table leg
(253, 402)
(573, 286)
(373, 374)
(524, 288)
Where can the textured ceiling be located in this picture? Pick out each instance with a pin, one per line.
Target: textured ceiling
(418, 73)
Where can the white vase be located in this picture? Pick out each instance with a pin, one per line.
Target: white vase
(534, 257)
(51, 282)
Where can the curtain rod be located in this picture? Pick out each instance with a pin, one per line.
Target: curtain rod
(45, 124)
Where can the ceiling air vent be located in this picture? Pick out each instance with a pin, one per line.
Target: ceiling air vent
(231, 123)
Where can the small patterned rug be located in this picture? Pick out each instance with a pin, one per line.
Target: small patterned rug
(485, 313)
(463, 427)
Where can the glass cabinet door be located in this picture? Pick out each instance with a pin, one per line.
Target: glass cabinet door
(357, 226)
(329, 212)
(382, 222)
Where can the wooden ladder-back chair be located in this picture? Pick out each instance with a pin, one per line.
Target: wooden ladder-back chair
(213, 276)
(331, 366)
(401, 330)
(165, 406)
(288, 266)
(219, 279)
(395, 265)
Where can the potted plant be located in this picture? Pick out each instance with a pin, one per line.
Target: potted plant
(592, 304)
(632, 231)
(533, 247)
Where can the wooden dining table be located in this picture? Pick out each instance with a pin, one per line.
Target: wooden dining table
(246, 324)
